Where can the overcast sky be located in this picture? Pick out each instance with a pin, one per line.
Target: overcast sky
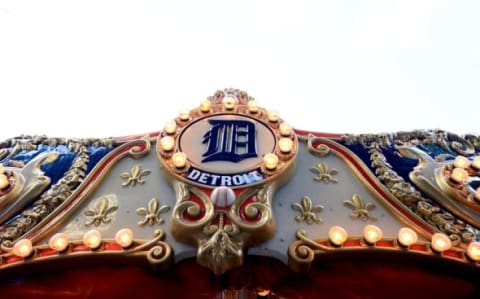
(113, 68)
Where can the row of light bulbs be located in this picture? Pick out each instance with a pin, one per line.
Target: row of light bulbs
(337, 236)
(462, 168)
(59, 242)
(229, 103)
(405, 237)
(270, 160)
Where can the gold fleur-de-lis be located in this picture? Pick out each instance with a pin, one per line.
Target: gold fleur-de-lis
(152, 214)
(323, 173)
(360, 209)
(101, 213)
(134, 176)
(308, 211)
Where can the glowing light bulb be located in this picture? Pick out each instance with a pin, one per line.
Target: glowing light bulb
(461, 162)
(285, 145)
(270, 161)
(337, 235)
(4, 182)
(285, 129)
(184, 115)
(58, 242)
(407, 236)
(179, 160)
(441, 242)
(229, 102)
(205, 105)
(167, 143)
(92, 239)
(253, 106)
(476, 163)
(124, 237)
(23, 248)
(459, 175)
(272, 116)
(372, 234)
(170, 127)
(473, 251)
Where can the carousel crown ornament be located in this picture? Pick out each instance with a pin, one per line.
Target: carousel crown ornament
(230, 179)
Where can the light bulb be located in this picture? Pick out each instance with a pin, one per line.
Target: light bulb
(285, 129)
(179, 160)
(58, 242)
(167, 143)
(184, 115)
(337, 235)
(23, 248)
(252, 106)
(229, 102)
(4, 182)
(459, 175)
(124, 237)
(270, 161)
(461, 162)
(92, 239)
(407, 236)
(272, 116)
(476, 163)
(441, 242)
(285, 145)
(170, 127)
(473, 251)
(372, 234)
(2, 169)
(205, 105)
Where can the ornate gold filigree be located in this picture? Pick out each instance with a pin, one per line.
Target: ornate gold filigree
(302, 252)
(101, 213)
(323, 173)
(457, 229)
(308, 211)
(360, 209)
(134, 176)
(152, 214)
(222, 233)
(48, 201)
(220, 251)
(155, 251)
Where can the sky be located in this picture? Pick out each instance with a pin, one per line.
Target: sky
(116, 68)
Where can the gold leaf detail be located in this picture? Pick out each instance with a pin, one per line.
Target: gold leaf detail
(152, 214)
(360, 209)
(134, 176)
(324, 174)
(102, 213)
(308, 212)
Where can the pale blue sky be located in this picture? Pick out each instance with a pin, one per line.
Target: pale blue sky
(110, 68)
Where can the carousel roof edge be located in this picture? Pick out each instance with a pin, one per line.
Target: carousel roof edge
(229, 179)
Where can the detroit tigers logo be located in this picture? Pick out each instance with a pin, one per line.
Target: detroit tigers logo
(230, 140)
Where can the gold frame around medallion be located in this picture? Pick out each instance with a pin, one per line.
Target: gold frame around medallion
(220, 245)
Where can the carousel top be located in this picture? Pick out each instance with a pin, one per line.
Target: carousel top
(230, 178)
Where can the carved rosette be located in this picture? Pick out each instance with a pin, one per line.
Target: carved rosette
(225, 160)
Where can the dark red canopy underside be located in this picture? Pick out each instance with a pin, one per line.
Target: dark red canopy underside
(339, 279)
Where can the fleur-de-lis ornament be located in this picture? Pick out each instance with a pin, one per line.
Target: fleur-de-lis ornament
(308, 211)
(101, 214)
(152, 214)
(360, 209)
(134, 176)
(323, 173)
